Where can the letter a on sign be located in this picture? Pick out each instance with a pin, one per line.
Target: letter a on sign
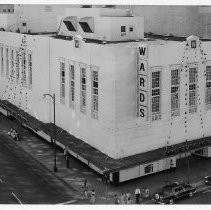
(143, 51)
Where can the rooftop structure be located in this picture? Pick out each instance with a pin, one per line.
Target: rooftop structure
(106, 24)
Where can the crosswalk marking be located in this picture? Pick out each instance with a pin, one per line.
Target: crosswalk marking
(68, 202)
(13, 194)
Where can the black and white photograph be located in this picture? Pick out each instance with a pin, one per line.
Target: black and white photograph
(105, 103)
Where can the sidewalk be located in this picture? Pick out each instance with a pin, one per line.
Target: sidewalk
(77, 172)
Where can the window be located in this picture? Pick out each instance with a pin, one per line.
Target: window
(7, 62)
(175, 81)
(83, 89)
(148, 169)
(72, 84)
(23, 24)
(23, 79)
(208, 86)
(156, 96)
(17, 64)
(4, 10)
(62, 82)
(2, 60)
(131, 29)
(94, 94)
(192, 90)
(30, 69)
(193, 44)
(85, 27)
(123, 30)
(12, 64)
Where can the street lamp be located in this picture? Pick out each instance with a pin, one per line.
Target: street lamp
(54, 126)
(188, 166)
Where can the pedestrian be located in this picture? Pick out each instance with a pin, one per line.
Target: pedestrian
(86, 193)
(116, 200)
(137, 195)
(129, 201)
(127, 196)
(67, 161)
(147, 193)
(122, 198)
(92, 199)
(85, 183)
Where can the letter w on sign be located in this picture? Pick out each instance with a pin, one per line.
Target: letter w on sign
(143, 52)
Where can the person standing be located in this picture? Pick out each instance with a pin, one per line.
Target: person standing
(127, 197)
(92, 199)
(137, 195)
(122, 198)
(129, 201)
(67, 161)
(116, 200)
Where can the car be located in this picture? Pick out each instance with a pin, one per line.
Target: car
(173, 192)
(207, 180)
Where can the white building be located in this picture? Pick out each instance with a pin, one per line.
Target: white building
(32, 18)
(115, 90)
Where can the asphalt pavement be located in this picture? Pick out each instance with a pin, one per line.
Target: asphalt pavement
(74, 176)
(23, 180)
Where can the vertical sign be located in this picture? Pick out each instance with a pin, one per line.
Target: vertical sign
(142, 81)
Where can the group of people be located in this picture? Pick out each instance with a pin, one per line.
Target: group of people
(125, 198)
(89, 195)
(14, 134)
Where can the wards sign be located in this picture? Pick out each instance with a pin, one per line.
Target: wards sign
(142, 82)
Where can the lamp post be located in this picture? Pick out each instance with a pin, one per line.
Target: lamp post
(54, 126)
(188, 166)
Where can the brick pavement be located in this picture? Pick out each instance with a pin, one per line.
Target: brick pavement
(75, 175)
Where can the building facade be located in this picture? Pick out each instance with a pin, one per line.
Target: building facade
(122, 97)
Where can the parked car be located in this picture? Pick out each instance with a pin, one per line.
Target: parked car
(173, 192)
(207, 180)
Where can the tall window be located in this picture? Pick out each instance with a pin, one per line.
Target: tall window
(72, 84)
(175, 80)
(2, 61)
(7, 62)
(95, 94)
(17, 65)
(30, 69)
(123, 30)
(83, 89)
(192, 90)
(208, 86)
(12, 64)
(156, 96)
(23, 78)
(62, 82)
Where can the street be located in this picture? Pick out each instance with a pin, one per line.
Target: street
(201, 198)
(27, 171)
(24, 181)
